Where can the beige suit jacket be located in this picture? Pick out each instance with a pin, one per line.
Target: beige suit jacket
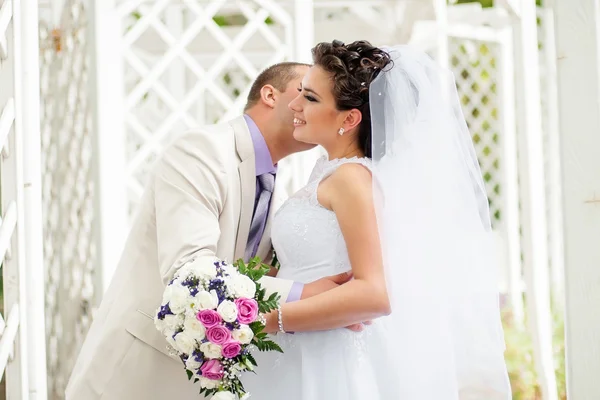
(198, 202)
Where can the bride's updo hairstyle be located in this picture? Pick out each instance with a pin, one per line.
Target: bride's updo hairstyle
(352, 68)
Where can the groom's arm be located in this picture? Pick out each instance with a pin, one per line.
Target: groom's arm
(189, 192)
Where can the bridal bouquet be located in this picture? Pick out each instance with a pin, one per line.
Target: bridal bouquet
(211, 318)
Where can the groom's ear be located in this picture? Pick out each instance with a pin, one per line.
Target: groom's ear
(267, 96)
(352, 120)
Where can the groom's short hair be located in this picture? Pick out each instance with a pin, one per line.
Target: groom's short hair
(278, 76)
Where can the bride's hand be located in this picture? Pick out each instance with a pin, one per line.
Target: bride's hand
(324, 284)
(359, 327)
(328, 283)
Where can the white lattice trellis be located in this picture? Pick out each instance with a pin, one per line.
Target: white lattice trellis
(68, 190)
(190, 63)
(12, 200)
(474, 66)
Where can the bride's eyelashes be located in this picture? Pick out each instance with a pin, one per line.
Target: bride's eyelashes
(308, 97)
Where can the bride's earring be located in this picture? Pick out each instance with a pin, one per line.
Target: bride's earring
(341, 131)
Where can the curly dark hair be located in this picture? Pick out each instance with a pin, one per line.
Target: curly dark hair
(352, 68)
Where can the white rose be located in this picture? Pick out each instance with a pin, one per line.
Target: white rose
(174, 321)
(192, 364)
(180, 298)
(223, 396)
(243, 286)
(185, 343)
(207, 300)
(204, 270)
(169, 324)
(230, 270)
(194, 328)
(167, 294)
(201, 269)
(243, 335)
(209, 383)
(227, 310)
(211, 350)
(160, 324)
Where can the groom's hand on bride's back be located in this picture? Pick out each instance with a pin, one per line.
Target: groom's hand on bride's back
(327, 283)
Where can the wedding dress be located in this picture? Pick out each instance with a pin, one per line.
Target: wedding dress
(328, 365)
(443, 339)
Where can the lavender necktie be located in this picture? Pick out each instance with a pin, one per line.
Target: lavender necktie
(257, 227)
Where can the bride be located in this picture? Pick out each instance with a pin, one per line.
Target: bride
(400, 201)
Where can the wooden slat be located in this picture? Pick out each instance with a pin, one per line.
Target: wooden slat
(7, 227)
(8, 337)
(5, 17)
(7, 118)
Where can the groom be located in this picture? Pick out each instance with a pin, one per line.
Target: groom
(212, 194)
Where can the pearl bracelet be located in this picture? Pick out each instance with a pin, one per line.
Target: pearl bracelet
(280, 319)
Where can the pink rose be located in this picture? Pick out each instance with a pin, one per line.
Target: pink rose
(231, 349)
(208, 318)
(218, 334)
(247, 310)
(212, 369)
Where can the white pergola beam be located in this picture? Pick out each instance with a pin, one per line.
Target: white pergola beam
(577, 40)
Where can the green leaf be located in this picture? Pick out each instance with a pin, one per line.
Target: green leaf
(251, 359)
(256, 327)
(274, 297)
(269, 305)
(189, 374)
(268, 345)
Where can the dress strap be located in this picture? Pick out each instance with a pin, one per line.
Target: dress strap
(324, 168)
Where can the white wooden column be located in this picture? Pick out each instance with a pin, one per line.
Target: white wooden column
(13, 322)
(533, 182)
(301, 164)
(441, 16)
(304, 30)
(553, 174)
(577, 27)
(28, 127)
(176, 71)
(108, 133)
(510, 174)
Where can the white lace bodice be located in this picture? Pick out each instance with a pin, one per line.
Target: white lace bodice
(307, 236)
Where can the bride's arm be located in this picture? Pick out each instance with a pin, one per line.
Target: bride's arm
(348, 192)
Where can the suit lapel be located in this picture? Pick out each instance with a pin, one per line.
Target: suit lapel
(247, 173)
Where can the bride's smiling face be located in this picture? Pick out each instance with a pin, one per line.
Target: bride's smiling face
(316, 117)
